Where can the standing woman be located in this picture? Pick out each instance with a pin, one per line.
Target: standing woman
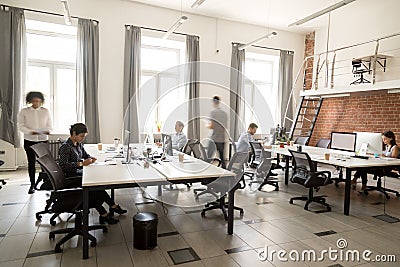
(35, 122)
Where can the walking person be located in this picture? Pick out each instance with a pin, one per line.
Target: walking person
(35, 122)
(218, 123)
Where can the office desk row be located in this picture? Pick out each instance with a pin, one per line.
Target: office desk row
(337, 159)
(101, 176)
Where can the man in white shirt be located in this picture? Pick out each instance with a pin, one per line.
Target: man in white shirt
(243, 144)
(178, 138)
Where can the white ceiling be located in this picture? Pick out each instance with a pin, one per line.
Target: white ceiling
(273, 13)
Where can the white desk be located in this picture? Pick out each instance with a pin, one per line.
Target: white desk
(99, 177)
(340, 159)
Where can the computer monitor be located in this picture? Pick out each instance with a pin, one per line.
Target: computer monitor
(167, 144)
(343, 141)
(374, 141)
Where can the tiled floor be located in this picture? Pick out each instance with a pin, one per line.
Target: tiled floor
(269, 222)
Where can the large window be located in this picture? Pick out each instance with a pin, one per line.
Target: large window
(158, 59)
(262, 74)
(51, 53)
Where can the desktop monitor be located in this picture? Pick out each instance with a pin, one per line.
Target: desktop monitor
(343, 141)
(167, 144)
(374, 141)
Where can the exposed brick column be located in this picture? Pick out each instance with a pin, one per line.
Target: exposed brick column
(309, 51)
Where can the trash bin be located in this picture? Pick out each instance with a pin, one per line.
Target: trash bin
(145, 230)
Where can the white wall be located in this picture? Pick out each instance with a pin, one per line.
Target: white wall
(114, 14)
(358, 22)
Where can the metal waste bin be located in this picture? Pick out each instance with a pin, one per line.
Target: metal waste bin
(145, 230)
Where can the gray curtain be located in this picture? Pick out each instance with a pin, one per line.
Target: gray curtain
(237, 87)
(12, 70)
(87, 77)
(192, 78)
(131, 83)
(285, 87)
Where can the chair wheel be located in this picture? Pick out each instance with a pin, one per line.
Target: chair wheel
(53, 222)
(290, 201)
(3, 182)
(365, 192)
(93, 244)
(397, 195)
(241, 213)
(38, 217)
(276, 188)
(387, 197)
(328, 209)
(57, 249)
(105, 230)
(52, 236)
(203, 214)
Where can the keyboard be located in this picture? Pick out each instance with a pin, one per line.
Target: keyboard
(360, 157)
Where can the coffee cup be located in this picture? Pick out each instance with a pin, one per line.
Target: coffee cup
(327, 156)
(100, 146)
(181, 156)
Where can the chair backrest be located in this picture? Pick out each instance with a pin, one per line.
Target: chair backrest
(233, 144)
(301, 140)
(41, 149)
(54, 171)
(264, 167)
(187, 148)
(302, 161)
(236, 164)
(323, 142)
(54, 146)
(257, 150)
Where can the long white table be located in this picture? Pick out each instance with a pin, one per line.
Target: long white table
(339, 159)
(99, 177)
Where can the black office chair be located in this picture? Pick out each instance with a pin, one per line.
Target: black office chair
(301, 140)
(378, 176)
(262, 173)
(305, 173)
(256, 154)
(3, 181)
(232, 147)
(323, 143)
(66, 197)
(225, 184)
(359, 69)
(199, 152)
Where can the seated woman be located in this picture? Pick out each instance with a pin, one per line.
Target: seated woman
(73, 157)
(391, 150)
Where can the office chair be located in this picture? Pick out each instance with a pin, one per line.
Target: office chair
(232, 146)
(256, 154)
(359, 69)
(305, 173)
(323, 143)
(262, 173)
(65, 197)
(378, 176)
(199, 152)
(301, 140)
(223, 185)
(3, 181)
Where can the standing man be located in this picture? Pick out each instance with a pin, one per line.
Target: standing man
(243, 144)
(218, 122)
(178, 138)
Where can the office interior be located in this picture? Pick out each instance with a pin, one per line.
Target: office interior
(269, 220)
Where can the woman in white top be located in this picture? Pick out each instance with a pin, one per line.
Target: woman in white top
(35, 122)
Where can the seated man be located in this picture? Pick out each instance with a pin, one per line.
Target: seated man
(73, 157)
(179, 138)
(243, 144)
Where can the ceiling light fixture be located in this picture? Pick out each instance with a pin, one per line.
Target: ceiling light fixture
(174, 27)
(257, 40)
(322, 12)
(197, 3)
(67, 15)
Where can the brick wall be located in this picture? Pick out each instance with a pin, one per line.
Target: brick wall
(376, 112)
(309, 51)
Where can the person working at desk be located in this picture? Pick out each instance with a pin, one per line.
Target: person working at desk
(178, 138)
(243, 144)
(391, 150)
(73, 157)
